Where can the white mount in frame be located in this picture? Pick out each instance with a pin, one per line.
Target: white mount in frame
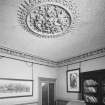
(73, 80)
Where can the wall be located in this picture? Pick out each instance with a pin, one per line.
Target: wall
(90, 65)
(95, 64)
(15, 69)
(44, 72)
(61, 83)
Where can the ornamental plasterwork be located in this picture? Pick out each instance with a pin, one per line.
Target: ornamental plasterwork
(87, 56)
(37, 60)
(47, 18)
(11, 53)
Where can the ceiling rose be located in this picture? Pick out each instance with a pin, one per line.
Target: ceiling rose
(47, 18)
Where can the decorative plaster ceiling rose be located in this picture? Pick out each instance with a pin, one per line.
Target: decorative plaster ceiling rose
(47, 18)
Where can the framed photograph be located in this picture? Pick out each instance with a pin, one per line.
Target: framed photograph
(73, 80)
(10, 88)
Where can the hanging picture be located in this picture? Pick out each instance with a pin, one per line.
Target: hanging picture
(73, 80)
(10, 88)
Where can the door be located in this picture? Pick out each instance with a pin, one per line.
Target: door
(47, 92)
(51, 93)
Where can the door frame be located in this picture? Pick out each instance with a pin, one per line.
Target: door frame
(47, 80)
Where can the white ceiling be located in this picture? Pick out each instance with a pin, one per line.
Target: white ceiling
(89, 33)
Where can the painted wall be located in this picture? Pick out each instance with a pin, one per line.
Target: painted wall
(44, 72)
(90, 65)
(15, 69)
(61, 83)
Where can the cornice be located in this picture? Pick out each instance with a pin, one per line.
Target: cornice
(7, 52)
(83, 57)
(11, 53)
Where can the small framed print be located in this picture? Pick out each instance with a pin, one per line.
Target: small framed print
(73, 81)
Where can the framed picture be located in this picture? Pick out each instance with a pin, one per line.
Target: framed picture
(10, 88)
(73, 80)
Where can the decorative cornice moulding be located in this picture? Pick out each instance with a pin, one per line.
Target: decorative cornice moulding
(7, 52)
(83, 57)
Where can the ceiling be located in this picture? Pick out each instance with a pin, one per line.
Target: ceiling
(88, 35)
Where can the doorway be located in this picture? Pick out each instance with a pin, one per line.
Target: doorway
(47, 91)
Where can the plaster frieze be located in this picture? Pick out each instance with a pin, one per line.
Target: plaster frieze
(83, 57)
(7, 52)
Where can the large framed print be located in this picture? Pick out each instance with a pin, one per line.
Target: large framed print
(10, 88)
(73, 80)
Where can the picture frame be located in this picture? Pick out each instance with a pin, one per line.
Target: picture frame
(12, 88)
(73, 80)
